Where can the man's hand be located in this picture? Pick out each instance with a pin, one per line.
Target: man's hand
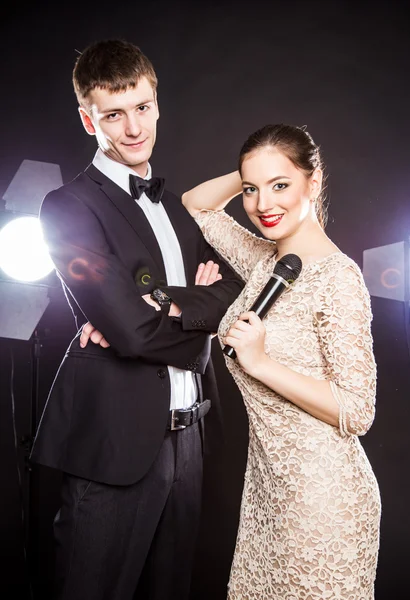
(206, 274)
(174, 310)
(91, 333)
(150, 301)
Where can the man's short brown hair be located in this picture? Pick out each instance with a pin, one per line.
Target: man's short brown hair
(112, 65)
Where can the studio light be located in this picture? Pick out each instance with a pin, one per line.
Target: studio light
(386, 271)
(24, 259)
(23, 252)
(26, 270)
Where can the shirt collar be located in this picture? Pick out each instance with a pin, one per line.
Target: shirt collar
(117, 172)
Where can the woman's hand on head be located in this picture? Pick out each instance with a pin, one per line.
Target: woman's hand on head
(247, 337)
(213, 194)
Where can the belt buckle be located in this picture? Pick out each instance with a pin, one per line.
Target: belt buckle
(174, 418)
(194, 412)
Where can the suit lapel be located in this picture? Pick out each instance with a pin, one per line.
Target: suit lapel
(132, 213)
(179, 220)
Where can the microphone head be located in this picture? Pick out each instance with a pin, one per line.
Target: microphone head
(288, 267)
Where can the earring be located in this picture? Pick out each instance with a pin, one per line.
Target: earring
(313, 200)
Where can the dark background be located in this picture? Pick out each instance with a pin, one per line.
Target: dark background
(224, 69)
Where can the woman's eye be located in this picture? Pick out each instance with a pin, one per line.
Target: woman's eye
(280, 186)
(249, 190)
(112, 116)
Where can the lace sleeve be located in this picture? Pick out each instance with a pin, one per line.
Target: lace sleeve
(241, 249)
(344, 317)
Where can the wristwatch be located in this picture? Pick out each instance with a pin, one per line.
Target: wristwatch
(162, 299)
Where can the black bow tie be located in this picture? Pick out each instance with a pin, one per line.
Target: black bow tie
(153, 188)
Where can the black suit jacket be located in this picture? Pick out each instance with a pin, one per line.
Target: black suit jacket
(106, 415)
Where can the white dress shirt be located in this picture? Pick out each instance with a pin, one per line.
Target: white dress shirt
(183, 385)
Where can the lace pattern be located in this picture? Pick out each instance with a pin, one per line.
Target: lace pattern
(244, 249)
(310, 513)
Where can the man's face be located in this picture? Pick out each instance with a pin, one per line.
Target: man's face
(124, 123)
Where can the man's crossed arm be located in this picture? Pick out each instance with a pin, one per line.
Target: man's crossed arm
(206, 274)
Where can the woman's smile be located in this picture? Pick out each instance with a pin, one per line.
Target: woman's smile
(270, 220)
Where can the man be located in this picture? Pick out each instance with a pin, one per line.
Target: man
(124, 422)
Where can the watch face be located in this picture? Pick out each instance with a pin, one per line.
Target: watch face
(161, 297)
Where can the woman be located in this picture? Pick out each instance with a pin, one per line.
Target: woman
(309, 524)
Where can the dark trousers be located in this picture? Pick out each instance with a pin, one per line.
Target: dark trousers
(107, 536)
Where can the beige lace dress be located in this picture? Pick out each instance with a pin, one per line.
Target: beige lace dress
(310, 513)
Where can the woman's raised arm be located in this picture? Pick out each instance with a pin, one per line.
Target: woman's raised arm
(213, 194)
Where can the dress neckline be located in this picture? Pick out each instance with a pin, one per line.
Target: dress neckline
(318, 260)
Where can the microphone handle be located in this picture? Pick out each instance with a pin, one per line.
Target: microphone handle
(229, 351)
(270, 293)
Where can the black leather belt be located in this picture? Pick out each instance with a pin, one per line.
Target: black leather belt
(180, 418)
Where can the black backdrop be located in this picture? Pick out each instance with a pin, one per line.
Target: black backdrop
(225, 69)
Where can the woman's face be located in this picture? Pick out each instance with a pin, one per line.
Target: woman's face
(277, 196)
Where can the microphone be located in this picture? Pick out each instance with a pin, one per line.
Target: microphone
(286, 270)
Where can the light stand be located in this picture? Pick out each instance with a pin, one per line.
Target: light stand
(21, 307)
(22, 303)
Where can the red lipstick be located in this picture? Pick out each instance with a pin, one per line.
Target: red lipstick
(272, 222)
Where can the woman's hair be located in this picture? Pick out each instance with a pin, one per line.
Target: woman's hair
(112, 65)
(297, 145)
